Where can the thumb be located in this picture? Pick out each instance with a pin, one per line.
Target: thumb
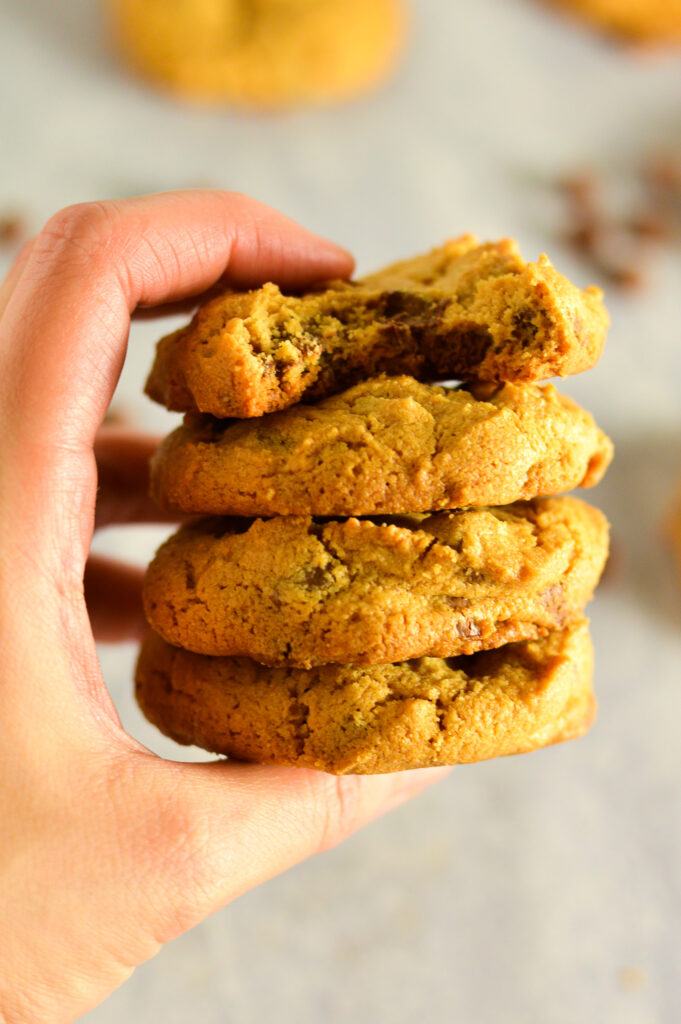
(236, 825)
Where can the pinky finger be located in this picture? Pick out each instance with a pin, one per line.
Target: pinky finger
(113, 594)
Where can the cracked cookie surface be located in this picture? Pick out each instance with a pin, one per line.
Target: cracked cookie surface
(380, 718)
(388, 445)
(465, 311)
(300, 592)
(263, 53)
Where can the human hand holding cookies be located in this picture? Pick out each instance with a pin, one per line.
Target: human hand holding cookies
(107, 851)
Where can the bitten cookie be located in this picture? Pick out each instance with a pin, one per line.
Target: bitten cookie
(464, 311)
(387, 445)
(302, 592)
(647, 21)
(382, 718)
(264, 53)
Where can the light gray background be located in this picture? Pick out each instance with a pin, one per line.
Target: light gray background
(544, 888)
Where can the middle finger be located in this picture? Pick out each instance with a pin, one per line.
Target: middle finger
(123, 478)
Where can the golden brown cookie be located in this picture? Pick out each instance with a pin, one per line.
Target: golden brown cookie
(382, 718)
(646, 21)
(263, 53)
(302, 592)
(387, 445)
(463, 311)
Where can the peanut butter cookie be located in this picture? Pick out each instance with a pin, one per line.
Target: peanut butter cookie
(263, 53)
(387, 445)
(299, 592)
(380, 718)
(465, 311)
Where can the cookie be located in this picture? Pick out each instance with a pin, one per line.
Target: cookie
(464, 311)
(381, 718)
(263, 53)
(303, 592)
(647, 21)
(388, 445)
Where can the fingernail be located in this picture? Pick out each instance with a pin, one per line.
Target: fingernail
(335, 250)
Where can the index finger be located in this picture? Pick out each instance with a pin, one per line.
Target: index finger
(64, 331)
(14, 274)
(65, 328)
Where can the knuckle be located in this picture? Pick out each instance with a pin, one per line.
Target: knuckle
(174, 847)
(19, 1008)
(188, 841)
(193, 867)
(339, 809)
(83, 231)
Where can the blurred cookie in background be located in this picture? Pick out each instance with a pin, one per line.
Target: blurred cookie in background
(639, 21)
(261, 53)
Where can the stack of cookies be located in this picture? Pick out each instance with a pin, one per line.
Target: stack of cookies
(384, 579)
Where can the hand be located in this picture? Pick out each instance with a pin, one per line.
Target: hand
(107, 851)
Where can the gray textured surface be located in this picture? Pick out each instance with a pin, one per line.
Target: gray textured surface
(539, 889)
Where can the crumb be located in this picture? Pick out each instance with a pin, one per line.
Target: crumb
(662, 180)
(632, 979)
(663, 172)
(650, 224)
(618, 243)
(582, 189)
(628, 278)
(12, 229)
(596, 236)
